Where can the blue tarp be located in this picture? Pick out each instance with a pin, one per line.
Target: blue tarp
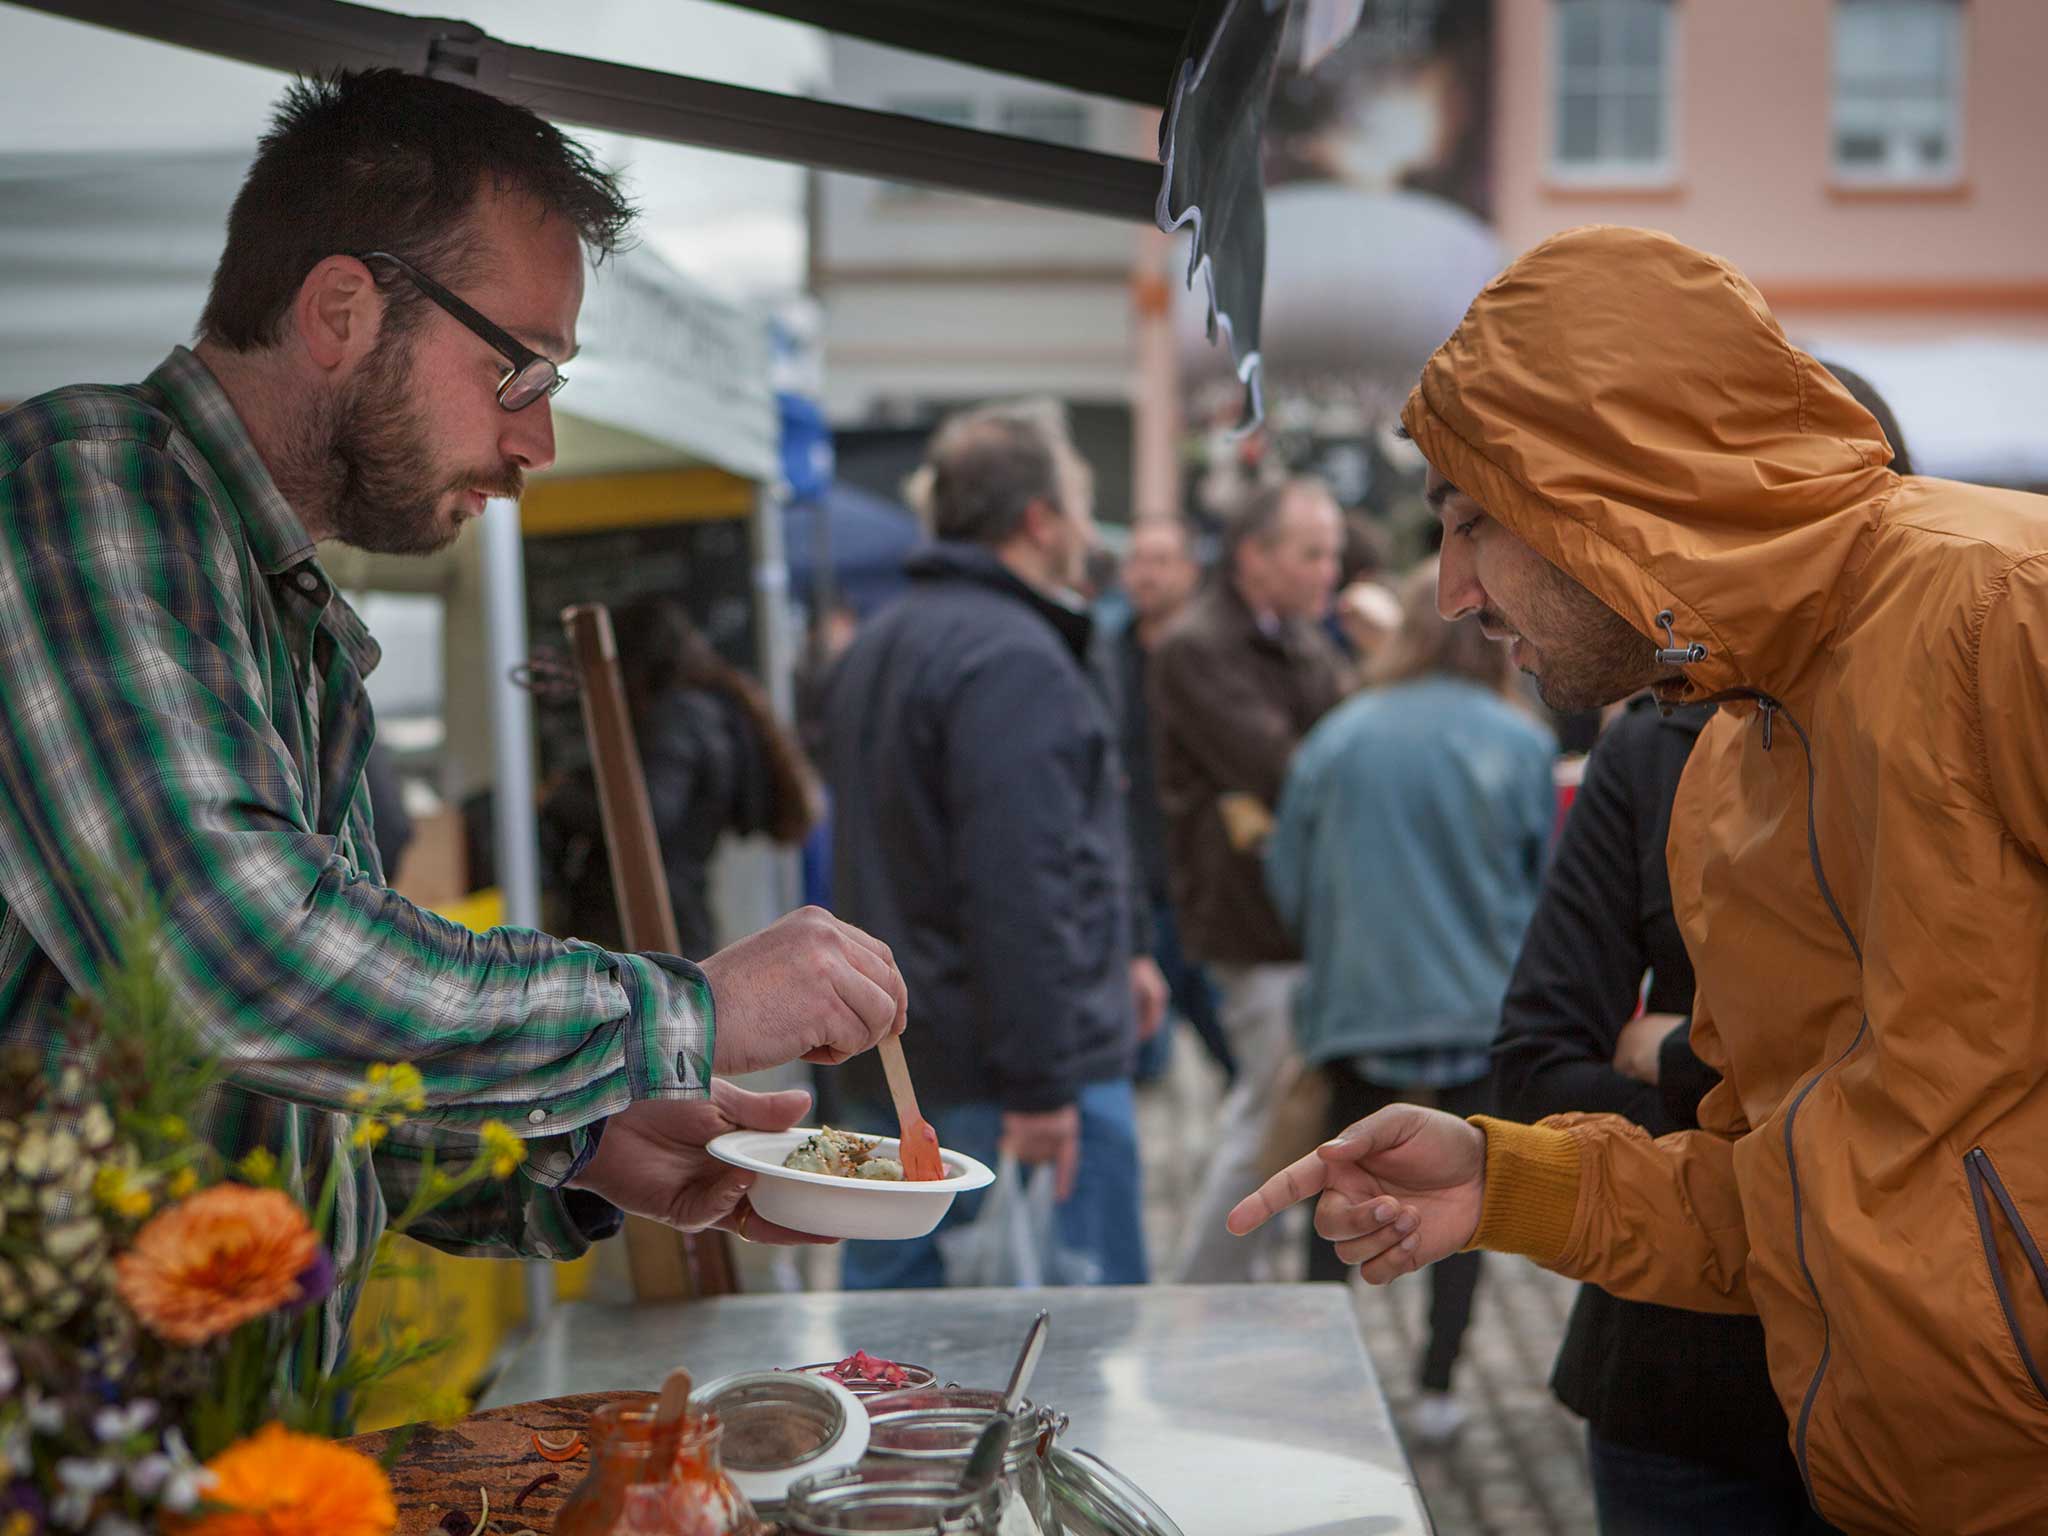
(869, 538)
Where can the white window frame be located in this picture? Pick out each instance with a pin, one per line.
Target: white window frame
(1896, 173)
(1614, 172)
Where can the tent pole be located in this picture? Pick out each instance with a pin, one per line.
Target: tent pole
(516, 821)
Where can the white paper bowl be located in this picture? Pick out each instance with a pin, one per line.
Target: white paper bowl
(826, 1205)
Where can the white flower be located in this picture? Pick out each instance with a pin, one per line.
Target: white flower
(96, 1128)
(45, 1415)
(15, 1450)
(111, 1424)
(183, 1479)
(84, 1481)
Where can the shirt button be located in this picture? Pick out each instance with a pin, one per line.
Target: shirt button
(535, 1116)
(308, 582)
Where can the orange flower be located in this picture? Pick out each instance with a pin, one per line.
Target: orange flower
(208, 1264)
(276, 1483)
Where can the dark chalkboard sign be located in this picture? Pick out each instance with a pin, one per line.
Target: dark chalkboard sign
(707, 564)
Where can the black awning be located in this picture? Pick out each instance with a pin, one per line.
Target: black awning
(1208, 63)
(1122, 48)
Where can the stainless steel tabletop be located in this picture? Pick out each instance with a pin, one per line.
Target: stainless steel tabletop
(1244, 1410)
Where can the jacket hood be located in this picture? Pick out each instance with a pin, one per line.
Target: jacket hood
(1629, 407)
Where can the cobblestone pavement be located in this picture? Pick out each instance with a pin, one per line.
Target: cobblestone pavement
(1518, 1468)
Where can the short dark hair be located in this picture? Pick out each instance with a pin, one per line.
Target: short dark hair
(1260, 516)
(377, 159)
(985, 467)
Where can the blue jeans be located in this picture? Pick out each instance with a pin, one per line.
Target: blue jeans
(1190, 995)
(1651, 1493)
(1102, 1219)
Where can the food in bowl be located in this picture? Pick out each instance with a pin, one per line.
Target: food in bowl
(842, 1155)
(831, 1205)
(864, 1374)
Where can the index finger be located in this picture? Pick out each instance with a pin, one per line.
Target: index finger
(1300, 1180)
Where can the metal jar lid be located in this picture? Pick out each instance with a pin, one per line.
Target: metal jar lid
(1092, 1498)
(780, 1427)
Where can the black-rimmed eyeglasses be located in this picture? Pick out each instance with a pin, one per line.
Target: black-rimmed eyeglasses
(529, 376)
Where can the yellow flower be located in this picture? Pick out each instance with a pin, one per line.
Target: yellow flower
(209, 1264)
(120, 1191)
(380, 1074)
(443, 1406)
(181, 1184)
(276, 1483)
(18, 1524)
(174, 1128)
(258, 1166)
(368, 1133)
(407, 1088)
(505, 1150)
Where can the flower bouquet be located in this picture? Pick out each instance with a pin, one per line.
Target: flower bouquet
(159, 1307)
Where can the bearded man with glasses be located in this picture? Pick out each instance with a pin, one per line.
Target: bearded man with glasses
(185, 703)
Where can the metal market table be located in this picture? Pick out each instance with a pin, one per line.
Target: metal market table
(1244, 1410)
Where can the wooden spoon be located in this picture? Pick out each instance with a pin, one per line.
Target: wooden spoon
(918, 1143)
(669, 1416)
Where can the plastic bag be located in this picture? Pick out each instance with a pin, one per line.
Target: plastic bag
(1013, 1240)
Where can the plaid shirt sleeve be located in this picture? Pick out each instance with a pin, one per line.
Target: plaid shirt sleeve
(155, 717)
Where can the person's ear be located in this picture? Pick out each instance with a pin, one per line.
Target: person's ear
(1042, 521)
(337, 314)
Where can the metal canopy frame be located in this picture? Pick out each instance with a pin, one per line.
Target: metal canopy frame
(310, 36)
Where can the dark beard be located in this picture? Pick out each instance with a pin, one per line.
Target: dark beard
(1595, 656)
(378, 482)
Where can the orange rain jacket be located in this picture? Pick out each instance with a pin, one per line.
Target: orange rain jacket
(1857, 856)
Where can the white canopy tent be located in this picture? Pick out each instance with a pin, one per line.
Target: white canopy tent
(105, 259)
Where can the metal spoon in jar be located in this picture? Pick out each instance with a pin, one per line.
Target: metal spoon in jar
(985, 1461)
(1027, 1362)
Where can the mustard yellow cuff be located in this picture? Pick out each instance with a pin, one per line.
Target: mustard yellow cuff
(1532, 1189)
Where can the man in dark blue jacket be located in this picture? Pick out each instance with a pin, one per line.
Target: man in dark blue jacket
(978, 806)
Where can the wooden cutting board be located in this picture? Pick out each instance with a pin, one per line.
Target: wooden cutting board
(443, 1466)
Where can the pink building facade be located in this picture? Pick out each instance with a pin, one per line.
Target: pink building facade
(1877, 167)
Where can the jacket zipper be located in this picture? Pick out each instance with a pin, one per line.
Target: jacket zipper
(1773, 708)
(1984, 1181)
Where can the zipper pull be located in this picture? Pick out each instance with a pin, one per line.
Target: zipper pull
(1770, 709)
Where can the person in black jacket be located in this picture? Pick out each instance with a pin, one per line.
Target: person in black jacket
(978, 818)
(1685, 1433)
(715, 759)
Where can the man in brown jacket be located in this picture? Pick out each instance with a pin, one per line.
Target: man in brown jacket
(1642, 482)
(1236, 684)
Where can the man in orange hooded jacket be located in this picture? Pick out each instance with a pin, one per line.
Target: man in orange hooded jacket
(1643, 483)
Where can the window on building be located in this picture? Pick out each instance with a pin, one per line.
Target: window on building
(1613, 101)
(1898, 90)
(1048, 121)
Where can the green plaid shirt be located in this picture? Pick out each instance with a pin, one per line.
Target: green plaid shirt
(182, 703)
